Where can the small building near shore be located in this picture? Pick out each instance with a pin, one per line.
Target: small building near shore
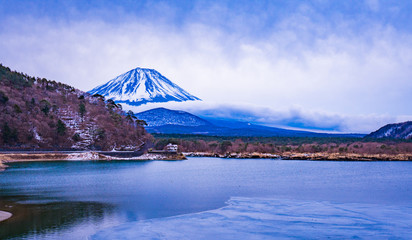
(171, 147)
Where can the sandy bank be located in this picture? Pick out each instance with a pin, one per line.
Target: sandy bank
(28, 157)
(4, 215)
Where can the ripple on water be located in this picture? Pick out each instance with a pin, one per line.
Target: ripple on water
(257, 218)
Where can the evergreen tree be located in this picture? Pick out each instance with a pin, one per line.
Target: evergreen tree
(6, 131)
(141, 122)
(9, 135)
(130, 116)
(61, 128)
(82, 109)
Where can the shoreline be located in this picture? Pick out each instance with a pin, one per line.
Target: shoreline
(5, 215)
(96, 156)
(322, 156)
(81, 156)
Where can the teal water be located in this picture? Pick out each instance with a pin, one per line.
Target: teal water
(80, 200)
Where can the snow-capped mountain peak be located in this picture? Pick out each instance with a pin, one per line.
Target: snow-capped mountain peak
(142, 85)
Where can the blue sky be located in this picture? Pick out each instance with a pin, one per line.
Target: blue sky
(341, 66)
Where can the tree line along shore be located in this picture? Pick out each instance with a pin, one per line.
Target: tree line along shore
(287, 148)
(311, 148)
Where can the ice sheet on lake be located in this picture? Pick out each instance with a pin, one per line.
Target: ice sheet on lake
(251, 218)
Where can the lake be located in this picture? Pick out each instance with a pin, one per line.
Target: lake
(207, 198)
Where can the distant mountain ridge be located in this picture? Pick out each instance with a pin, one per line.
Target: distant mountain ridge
(162, 120)
(163, 116)
(395, 130)
(141, 85)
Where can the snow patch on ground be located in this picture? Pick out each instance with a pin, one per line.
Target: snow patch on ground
(85, 156)
(36, 135)
(148, 156)
(253, 218)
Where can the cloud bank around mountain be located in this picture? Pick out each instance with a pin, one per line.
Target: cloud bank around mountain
(293, 117)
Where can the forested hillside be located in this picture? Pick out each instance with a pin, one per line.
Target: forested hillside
(37, 113)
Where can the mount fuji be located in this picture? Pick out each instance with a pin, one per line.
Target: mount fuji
(141, 85)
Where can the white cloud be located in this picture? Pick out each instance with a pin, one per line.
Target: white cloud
(293, 117)
(302, 61)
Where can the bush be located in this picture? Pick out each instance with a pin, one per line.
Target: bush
(17, 109)
(76, 137)
(161, 144)
(316, 148)
(225, 145)
(9, 135)
(98, 96)
(45, 106)
(3, 97)
(98, 134)
(213, 145)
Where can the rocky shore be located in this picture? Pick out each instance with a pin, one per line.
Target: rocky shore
(309, 156)
(231, 155)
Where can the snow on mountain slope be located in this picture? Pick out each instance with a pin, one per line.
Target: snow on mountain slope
(396, 130)
(140, 86)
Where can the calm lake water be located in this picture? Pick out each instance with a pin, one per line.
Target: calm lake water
(298, 199)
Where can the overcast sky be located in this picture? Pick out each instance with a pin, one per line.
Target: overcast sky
(341, 66)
